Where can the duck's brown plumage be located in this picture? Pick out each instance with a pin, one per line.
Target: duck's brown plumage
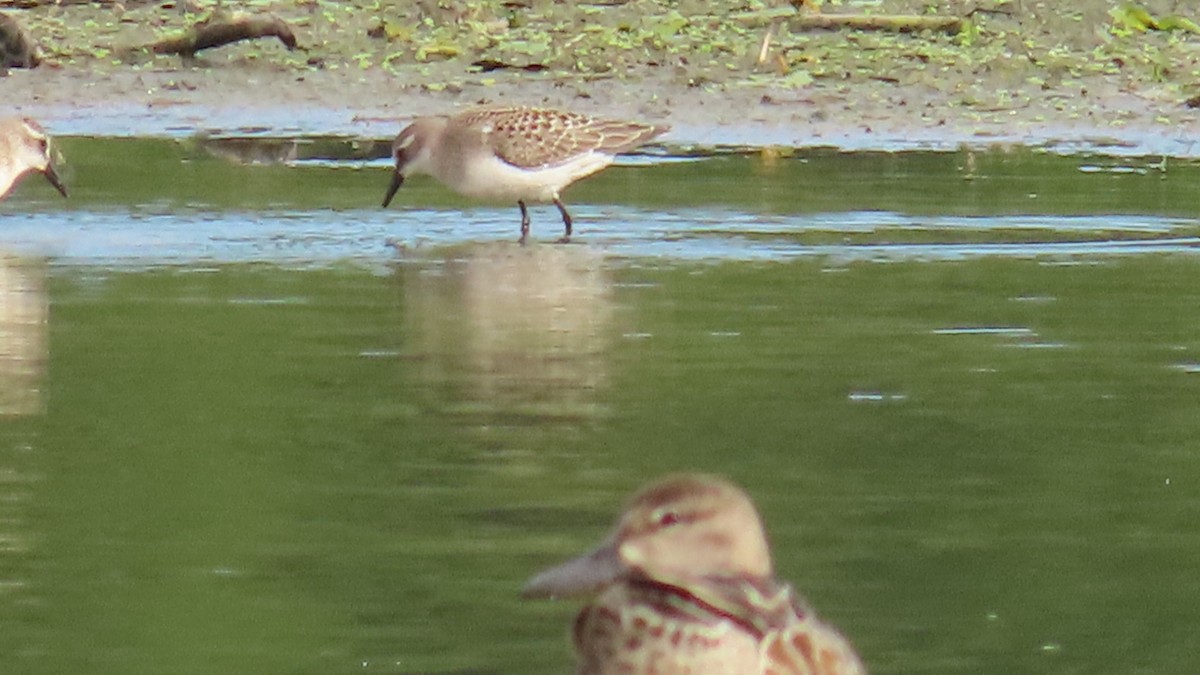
(686, 585)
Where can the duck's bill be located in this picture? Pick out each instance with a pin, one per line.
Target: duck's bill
(52, 176)
(397, 181)
(585, 574)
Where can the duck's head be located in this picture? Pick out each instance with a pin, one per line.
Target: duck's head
(682, 528)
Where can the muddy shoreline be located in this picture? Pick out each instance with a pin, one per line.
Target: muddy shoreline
(889, 104)
(219, 102)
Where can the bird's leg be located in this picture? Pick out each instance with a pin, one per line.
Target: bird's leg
(562, 208)
(524, 221)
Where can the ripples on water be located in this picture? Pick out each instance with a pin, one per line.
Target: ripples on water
(314, 201)
(83, 237)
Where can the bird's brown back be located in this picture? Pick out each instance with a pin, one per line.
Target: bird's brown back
(532, 138)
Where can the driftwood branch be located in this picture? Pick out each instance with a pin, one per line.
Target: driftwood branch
(214, 32)
(810, 20)
(900, 23)
(32, 4)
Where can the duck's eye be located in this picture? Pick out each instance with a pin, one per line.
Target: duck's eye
(669, 518)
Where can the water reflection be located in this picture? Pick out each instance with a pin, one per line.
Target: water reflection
(251, 150)
(512, 332)
(23, 319)
(23, 356)
(333, 151)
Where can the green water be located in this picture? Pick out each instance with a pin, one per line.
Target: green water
(233, 463)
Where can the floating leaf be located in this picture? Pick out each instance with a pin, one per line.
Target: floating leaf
(968, 35)
(527, 48)
(796, 79)
(1131, 16)
(398, 33)
(437, 50)
(668, 26)
(1176, 22)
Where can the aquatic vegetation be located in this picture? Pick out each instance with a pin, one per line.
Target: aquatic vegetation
(1003, 56)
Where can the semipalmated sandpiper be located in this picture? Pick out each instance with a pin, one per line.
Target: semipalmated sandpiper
(521, 153)
(24, 147)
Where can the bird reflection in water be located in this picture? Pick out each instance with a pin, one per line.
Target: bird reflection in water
(520, 333)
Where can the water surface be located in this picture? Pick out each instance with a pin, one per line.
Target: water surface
(242, 432)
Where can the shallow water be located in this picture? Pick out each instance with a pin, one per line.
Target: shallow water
(183, 119)
(243, 433)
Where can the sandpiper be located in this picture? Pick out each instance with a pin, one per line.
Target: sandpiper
(522, 153)
(686, 585)
(24, 147)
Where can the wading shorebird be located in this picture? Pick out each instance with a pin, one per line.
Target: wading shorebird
(24, 147)
(685, 585)
(521, 153)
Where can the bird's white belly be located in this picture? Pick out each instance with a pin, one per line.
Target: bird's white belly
(488, 177)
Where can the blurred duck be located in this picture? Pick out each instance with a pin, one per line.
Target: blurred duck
(685, 584)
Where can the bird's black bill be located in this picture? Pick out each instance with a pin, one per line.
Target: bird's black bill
(52, 176)
(397, 181)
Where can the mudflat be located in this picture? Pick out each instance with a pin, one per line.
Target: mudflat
(1014, 72)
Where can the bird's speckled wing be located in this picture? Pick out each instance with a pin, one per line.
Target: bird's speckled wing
(533, 138)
